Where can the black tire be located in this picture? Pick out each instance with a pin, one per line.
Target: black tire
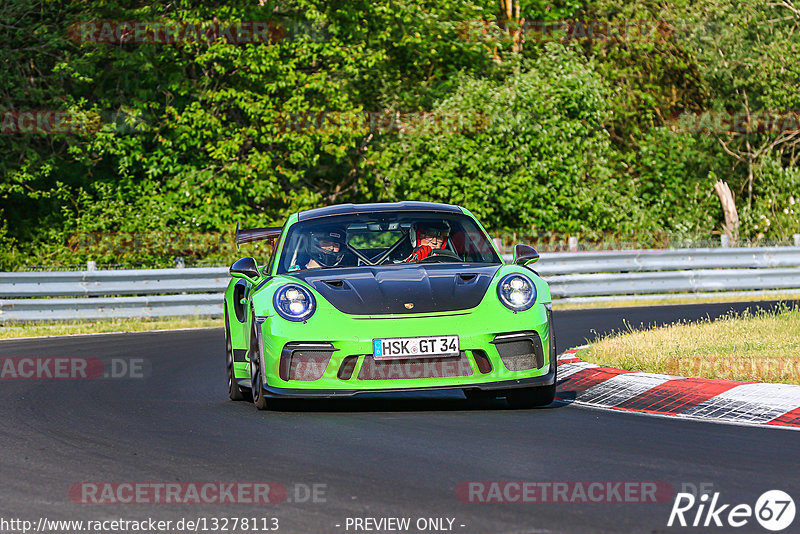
(256, 376)
(531, 397)
(235, 393)
(536, 396)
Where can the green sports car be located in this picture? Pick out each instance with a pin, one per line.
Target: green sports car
(387, 297)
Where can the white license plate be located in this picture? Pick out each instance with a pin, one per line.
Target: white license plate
(415, 347)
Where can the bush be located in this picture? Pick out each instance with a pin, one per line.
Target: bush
(530, 150)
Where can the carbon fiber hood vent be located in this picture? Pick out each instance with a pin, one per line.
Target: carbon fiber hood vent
(402, 289)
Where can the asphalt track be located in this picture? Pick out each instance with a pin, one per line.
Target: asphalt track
(381, 456)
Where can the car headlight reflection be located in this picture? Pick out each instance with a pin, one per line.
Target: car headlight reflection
(294, 303)
(516, 291)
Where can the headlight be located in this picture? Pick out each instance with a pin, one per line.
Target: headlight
(294, 303)
(516, 292)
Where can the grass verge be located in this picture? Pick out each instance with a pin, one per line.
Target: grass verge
(656, 300)
(104, 326)
(763, 346)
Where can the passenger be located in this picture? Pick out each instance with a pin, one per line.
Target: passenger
(429, 236)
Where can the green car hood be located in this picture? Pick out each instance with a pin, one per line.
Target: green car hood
(402, 288)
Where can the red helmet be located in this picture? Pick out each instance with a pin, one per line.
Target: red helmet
(431, 229)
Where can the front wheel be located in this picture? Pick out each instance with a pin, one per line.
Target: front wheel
(235, 392)
(531, 397)
(256, 376)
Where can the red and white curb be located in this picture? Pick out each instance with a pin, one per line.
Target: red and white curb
(725, 401)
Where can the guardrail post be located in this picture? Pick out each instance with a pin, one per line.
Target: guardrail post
(498, 243)
(796, 240)
(573, 244)
(91, 265)
(180, 263)
(725, 241)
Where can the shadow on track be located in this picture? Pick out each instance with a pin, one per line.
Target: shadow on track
(400, 402)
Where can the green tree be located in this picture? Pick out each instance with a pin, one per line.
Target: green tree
(528, 150)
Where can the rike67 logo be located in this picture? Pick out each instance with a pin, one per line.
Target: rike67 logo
(774, 510)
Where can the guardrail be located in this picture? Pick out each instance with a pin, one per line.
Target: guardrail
(562, 263)
(122, 282)
(198, 291)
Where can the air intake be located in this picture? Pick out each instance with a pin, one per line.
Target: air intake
(520, 352)
(305, 361)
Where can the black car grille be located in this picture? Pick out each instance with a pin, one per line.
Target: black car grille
(347, 368)
(413, 368)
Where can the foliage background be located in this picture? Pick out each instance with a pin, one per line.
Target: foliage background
(537, 136)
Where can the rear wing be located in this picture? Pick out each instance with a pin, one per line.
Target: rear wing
(248, 235)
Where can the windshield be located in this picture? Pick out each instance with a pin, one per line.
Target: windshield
(384, 238)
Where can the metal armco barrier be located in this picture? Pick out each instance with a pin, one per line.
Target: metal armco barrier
(198, 292)
(700, 281)
(559, 263)
(123, 282)
(40, 310)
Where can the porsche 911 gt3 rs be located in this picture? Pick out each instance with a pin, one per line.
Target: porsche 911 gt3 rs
(387, 297)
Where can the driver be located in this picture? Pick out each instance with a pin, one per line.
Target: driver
(326, 249)
(429, 236)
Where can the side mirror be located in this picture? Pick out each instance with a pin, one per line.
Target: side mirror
(245, 268)
(524, 255)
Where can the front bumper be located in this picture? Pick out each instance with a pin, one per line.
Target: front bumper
(536, 381)
(338, 361)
